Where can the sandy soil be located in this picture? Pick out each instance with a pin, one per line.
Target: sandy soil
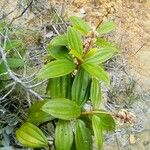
(133, 29)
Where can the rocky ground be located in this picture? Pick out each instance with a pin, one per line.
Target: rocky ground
(130, 70)
(133, 29)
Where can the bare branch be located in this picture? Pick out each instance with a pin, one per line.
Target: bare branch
(12, 75)
(38, 84)
(13, 87)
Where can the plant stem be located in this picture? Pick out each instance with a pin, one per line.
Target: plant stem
(92, 112)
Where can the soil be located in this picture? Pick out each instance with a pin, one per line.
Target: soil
(133, 29)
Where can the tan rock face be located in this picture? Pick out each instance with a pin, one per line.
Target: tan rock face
(133, 31)
(140, 66)
(8, 7)
(136, 26)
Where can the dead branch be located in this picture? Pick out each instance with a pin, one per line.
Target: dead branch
(16, 79)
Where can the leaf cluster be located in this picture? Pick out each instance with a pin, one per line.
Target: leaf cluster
(74, 73)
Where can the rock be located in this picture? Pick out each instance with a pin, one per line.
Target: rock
(82, 11)
(132, 139)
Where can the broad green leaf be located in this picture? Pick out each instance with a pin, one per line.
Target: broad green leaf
(56, 68)
(96, 71)
(63, 135)
(106, 27)
(15, 63)
(74, 42)
(62, 108)
(107, 122)
(59, 52)
(98, 133)
(59, 87)
(31, 136)
(90, 53)
(54, 87)
(95, 93)
(13, 44)
(80, 87)
(80, 24)
(87, 120)
(83, 138)
(69, 86)
(101, 42)
(99, 56)
(36, 115)
(59, 40)
(76, 54)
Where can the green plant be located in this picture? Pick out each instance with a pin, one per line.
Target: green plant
(14, 49)
(74, 74)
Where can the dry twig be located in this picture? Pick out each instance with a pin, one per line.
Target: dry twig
(14, 77)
